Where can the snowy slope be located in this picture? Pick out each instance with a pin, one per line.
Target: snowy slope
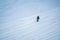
(19, 20)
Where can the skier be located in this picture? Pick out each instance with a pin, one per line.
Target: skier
(38, 18)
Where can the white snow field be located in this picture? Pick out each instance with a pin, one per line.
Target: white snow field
(18, 20)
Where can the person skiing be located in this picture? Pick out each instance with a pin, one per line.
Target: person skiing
(38, 18)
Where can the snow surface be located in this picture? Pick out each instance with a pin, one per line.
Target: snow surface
(18, 20)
